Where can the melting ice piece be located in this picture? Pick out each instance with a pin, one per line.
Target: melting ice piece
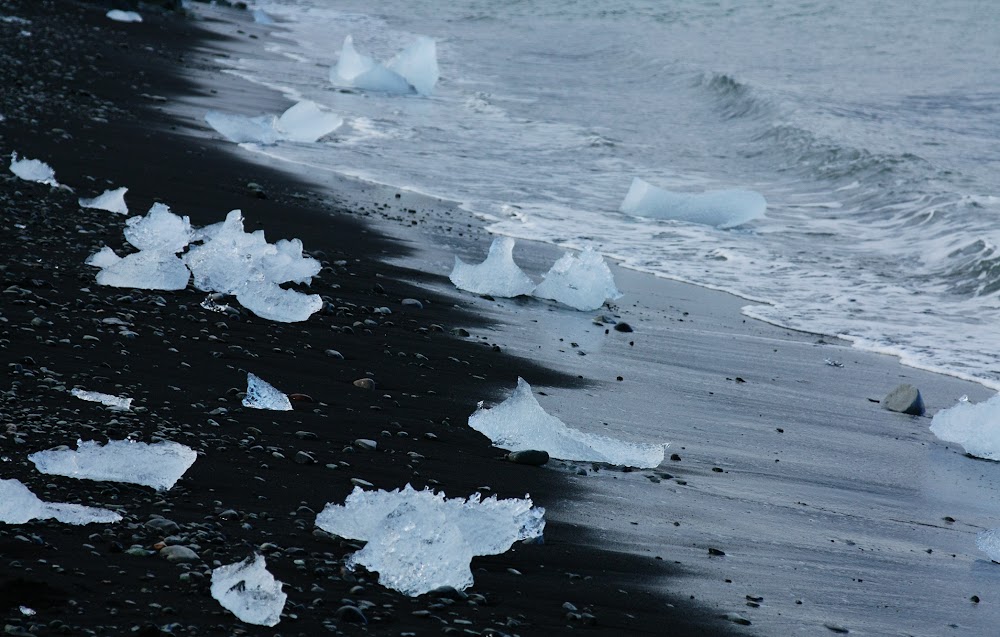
(498, 275)
(110, 200)
(159, 465)
(719, 208)
(361, 71)
(989, 542)
(103, 258)
(159, 229)
(975, 426)
(519, 423)
(418, 540)
(261, 17)
(306, 122)
(114, 402)
(249, 591)
(417, 64)
(18, 505)
(287, 264)
(263, 395)
(124, 16)
(33, 170)
(241, 129)
(229, 257)
(269, 301)
(146, 270)
(582, 282)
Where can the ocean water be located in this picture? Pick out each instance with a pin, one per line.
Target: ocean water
(871, 128)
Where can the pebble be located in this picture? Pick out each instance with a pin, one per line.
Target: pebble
(623, 327)
(365, 444)
(332, 353)
(301, 457)
(905, 399)
(414, 303)
(179, 554)
(365, 383)
(351, 614)
(364, 484)
(531, 457)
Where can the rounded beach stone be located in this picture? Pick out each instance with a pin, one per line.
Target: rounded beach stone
(905, 399)
(365, 383)
(531, 457)
(179, 554)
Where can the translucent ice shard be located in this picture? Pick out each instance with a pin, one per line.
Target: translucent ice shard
(269, 301)
(229, 257)
(158, 465)
(261, 17)
(361, 71)
(110, 200)
(124, 16)
(241, 129)
(114, 402)
(498, 275)
(18, 505)
(975, 426)
(249, 591)
(519, 423)
(719, 208)
(417, 64)
(306, 122)
(33, 170)
(582, 282)
(287, 264)
(263, 395)
(146, 270)
(159, 229)
(989, 542)
(103, 258)
(418, 540)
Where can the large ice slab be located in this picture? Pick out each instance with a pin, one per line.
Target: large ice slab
(417, 64)
(274, 303)
(18, 505)
(159, 229)
(110, 200)
(146, 270)
(498, 275)
(415, 68)
(719, 208)
(582, 282)
(519, 423)
(263, 395)
(249, 591)
(975, 426)
(159, 465)
(114, 402)
(306, 122)
(418, 540)
(33, 170)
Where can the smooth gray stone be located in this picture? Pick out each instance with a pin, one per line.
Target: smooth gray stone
(905, 399)
(529, 457)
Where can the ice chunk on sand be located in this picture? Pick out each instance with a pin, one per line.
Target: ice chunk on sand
(159, 229)
(361, 71)
(261, 17)
(287, 264)
(975, 426)
(719, 208)
(146, 270)
(228, 258)
(114, 402)
(18, 505)
(417, 64)
(418, 540)
(498, 275)
(306, 122)
(269, 301)
(582, 282)
(263, 395)
(33, 170)
(249, 591)
(157, 465)
(103, 258)
(124, 16)
(241, 129)
(989, 542)
(519, 423)
(110, 200)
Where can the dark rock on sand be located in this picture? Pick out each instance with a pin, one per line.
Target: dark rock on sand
(532, 457)
(623, 327)
(905, 399)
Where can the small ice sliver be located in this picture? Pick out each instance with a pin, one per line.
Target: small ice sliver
(520, 424)
(18, 505)
(123, 16)
(975, 426)
(159, 465)
(113, 402)
(720, 208)
(110, 200)
(989, 542)
(582, 282)
(33, 170)
(263, 395)
(498, 275)
(249, 591)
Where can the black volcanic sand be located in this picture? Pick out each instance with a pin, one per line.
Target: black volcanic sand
(84, 94)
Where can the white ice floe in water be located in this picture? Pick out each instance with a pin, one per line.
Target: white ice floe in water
(146, 270)
(124, 16)
(989, 542)
(114, 402)
(498, 275)
(415, 68)
(249, 591)
(110, 200)
(719, 208)
(975, 426)
(18, 505)
(159, 465)
(159, 229)
(418, 540)
(263, 395)
(304, 122)
(582, 282)
(33, 170)
(519, 423)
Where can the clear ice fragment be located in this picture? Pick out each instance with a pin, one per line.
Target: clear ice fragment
(306, 122)
(417, 64)
(263, 395)
(989, 542)
(249, 591)
(114, 402)
(498, 275)
(241, 129)
(719, 208)
(229, 257)
(360, 71)
(146, 270)
(269, 301)
(18, 505)
(124, 16)
(582, 282)
(159, 465)
(519, 424)
(103, 258)
(159, 229)
(975, 426)
(287, 264)
(261, 17)
(110, 200)
(33, 170)
(419, 540)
